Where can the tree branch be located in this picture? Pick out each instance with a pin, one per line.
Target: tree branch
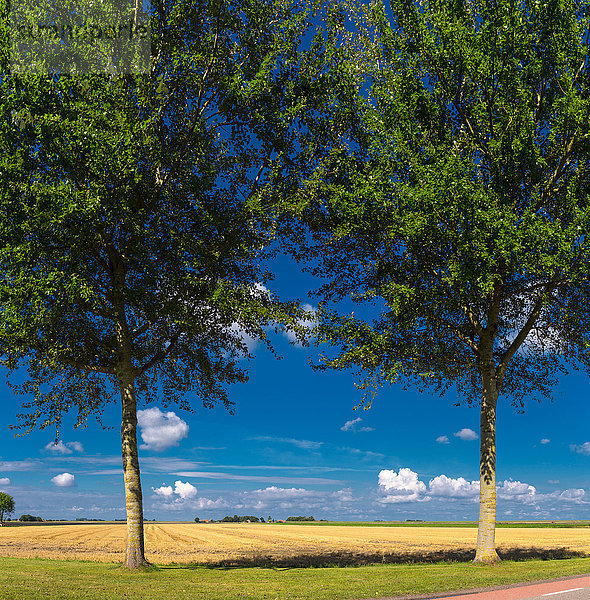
(563, 162)
(520, 338)
(469, 342)
(141, 330)
(159, 356)
(70, 362)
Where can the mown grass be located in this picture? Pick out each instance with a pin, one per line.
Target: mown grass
(34, 579)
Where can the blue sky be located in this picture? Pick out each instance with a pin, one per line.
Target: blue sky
(296, 447)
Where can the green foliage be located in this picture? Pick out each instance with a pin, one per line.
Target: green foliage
(300, 519)
(458, 209)
(135, 210)
(30, 519)
(6, 506)
(240, 519)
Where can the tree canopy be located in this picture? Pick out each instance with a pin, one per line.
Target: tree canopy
(6, 506)
(135, 209)
(455, 204)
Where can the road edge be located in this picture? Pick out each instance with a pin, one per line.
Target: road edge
(493, 588)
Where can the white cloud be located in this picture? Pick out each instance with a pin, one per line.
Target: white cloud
(294, 499)
(304, 444)
(185, 490)
(67, 448)
(276, 493)
(352, 426)
(208, 504)
(250, 342)
(165, 490)
(343, 495)
(63, 480)
(349, 425)
(443, 439)
(581, 449)
(402, 486)
(20, 465)
(160, 430)
(453, 488)
(363, 454)
(574, 495)
(466, 434)
(4, 481)
(516, 490)
(545, 441)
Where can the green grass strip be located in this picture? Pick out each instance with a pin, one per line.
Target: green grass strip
(35, 579)
(502, 524)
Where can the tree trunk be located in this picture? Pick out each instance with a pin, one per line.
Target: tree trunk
(134, 551)
(486, 532)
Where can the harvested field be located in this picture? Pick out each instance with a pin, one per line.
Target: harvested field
(259, 544)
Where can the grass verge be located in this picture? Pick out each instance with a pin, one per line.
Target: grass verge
(35, 579)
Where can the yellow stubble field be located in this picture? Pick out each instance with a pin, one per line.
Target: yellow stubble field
(214, 542)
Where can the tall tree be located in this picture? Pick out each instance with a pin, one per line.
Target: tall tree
(6, 506)
(135, 209)
(454, 201)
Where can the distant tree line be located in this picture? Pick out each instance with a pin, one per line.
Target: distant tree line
(242, 519)
(300, 519)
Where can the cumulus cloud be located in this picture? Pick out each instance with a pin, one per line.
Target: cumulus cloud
(453, 488)
(443, 439)
(516, 490)
(352, 426)
(466, 434)
(545, 441)
(184, 491)
(63, 480)
(159, 430)
(165, 491)
(343, 495)
(67, 448)
(403, 486)
(208, 504)
(577, 496)
(4, 481)
(581, 449)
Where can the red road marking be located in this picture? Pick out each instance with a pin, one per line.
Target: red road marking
(526, 591)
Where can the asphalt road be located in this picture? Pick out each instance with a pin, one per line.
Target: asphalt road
(569, 589)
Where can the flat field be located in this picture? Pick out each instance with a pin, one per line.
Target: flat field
(258, 544)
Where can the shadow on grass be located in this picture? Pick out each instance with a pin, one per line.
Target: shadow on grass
(356, 559)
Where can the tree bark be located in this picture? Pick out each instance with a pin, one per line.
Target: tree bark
(486, 532)
(134, 550)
